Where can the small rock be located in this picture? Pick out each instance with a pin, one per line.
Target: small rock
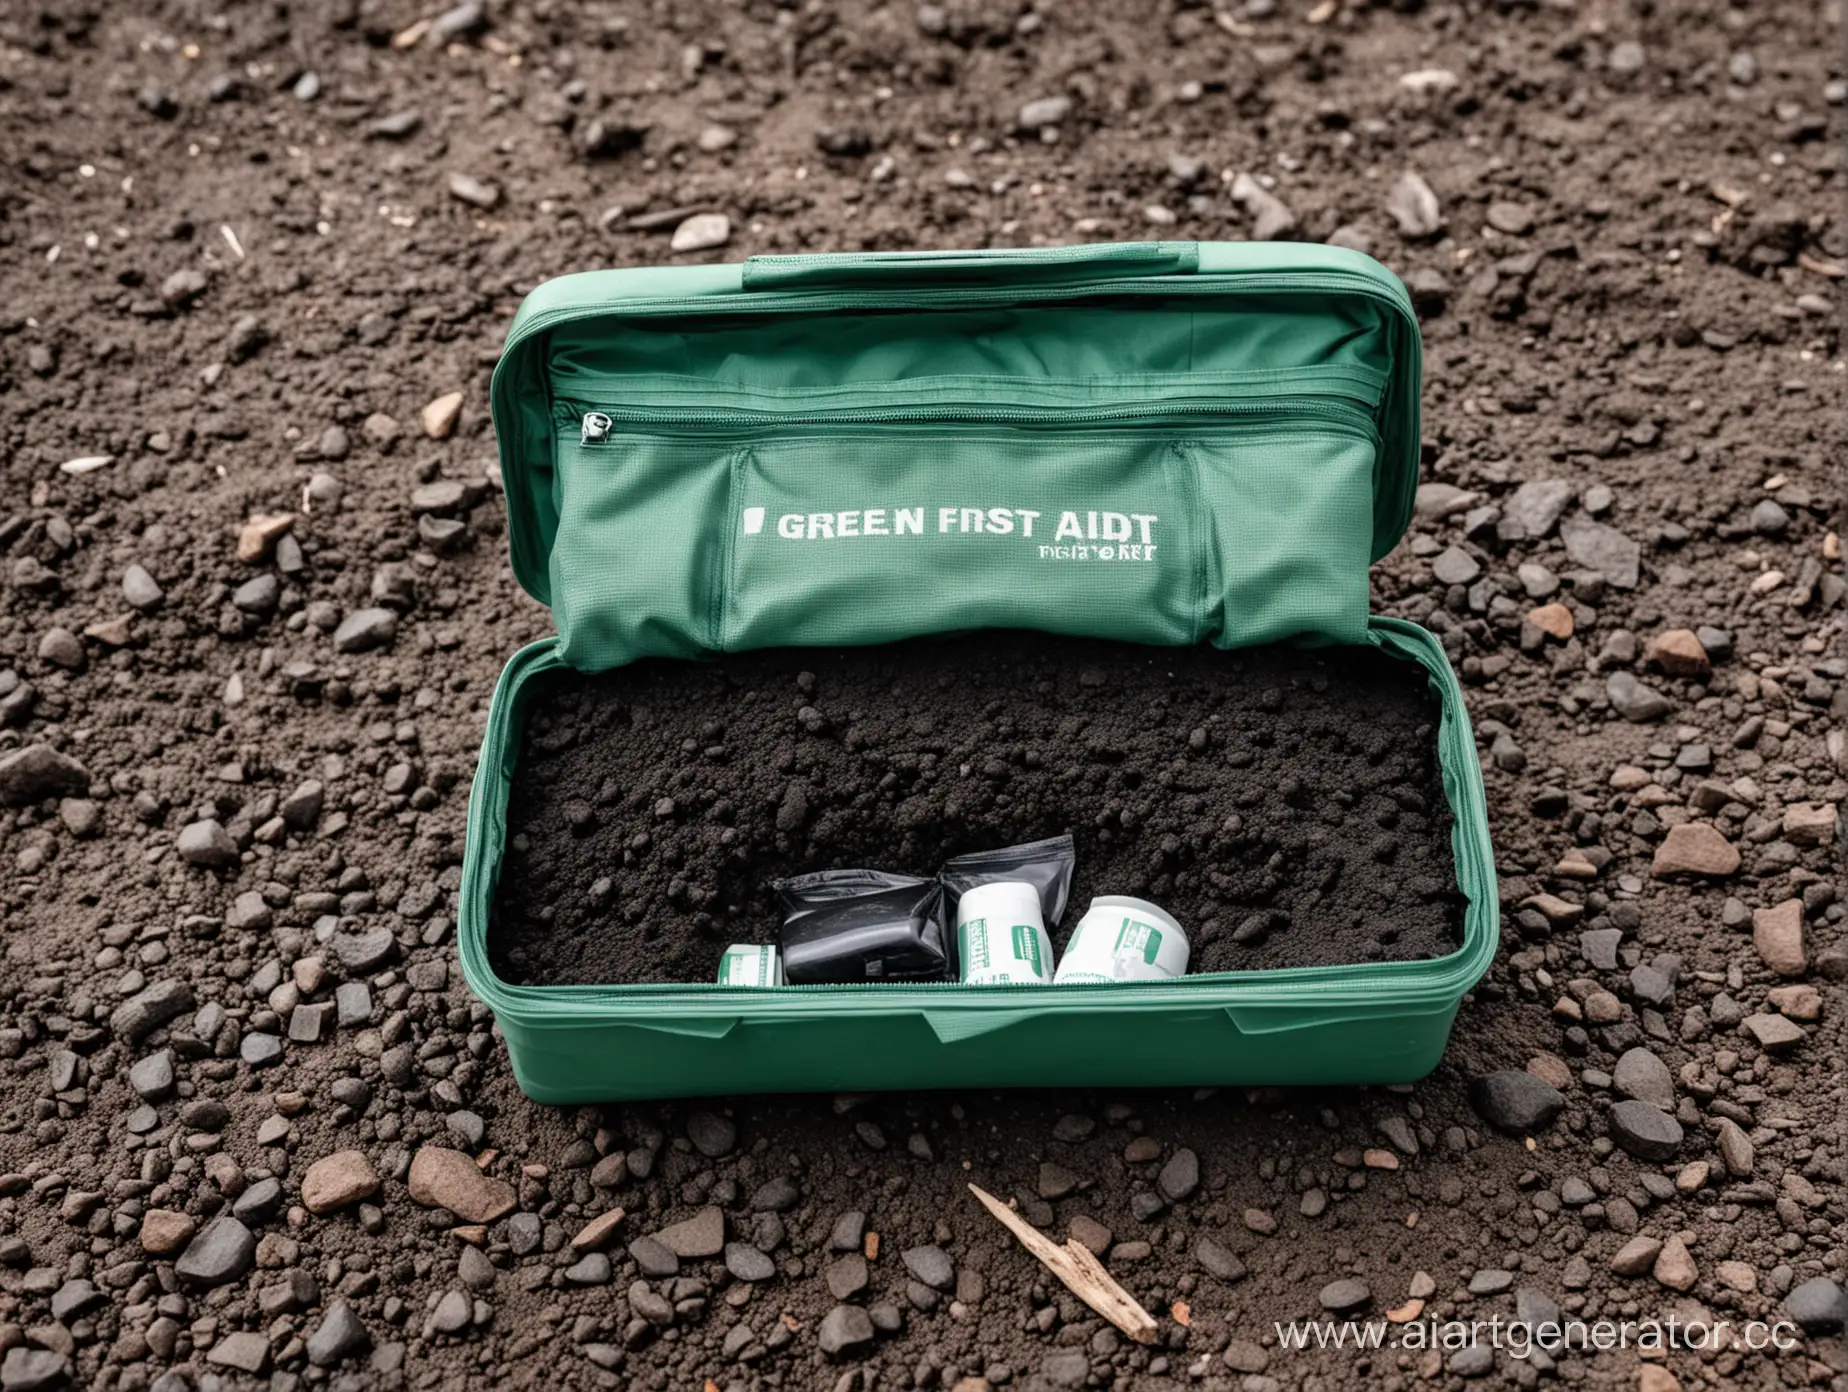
(1775, 1034)
(259, 535)
(165, 1231)
(1643, 1076)
(1694, 848)
(1679, 653)
(1347, 1294)
(1635, 702)
(1414, 207)
(207, 844)
(1043, 112)
(366, 629)
(701, 232)
(38, 772)
(1455, 566)
(1647, 1132)
(28, 1369)
(1270, 217)
(846, 1329)
(140, 589)
(1603, 549)
(713, 1136)
(1515, 1101)
(1778, 936)
(1818, 1306)
(931, 1265)
(338, 1337)
(222, 1251)
(439, 416)
(702, 1235)
(1674, 1265)
(474, 191)
(338, 1181)
(443, 1178)
(747, 1263)
(1180, 1176)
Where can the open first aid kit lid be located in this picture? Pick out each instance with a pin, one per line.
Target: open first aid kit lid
(1166, 442)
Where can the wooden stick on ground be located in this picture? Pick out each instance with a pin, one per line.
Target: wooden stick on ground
(1083, 1275)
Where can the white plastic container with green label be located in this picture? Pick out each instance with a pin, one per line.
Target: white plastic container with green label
(1123, 939)
(751, 964)
(1000, 936)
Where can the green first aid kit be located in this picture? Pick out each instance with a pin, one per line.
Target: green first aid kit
(1159, 443)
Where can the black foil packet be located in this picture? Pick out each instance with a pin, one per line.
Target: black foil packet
(1046, 865)
(847, 927)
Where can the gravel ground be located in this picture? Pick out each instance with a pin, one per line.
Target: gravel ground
(257, 266)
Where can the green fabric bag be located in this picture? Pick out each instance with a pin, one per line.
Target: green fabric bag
(1165, 443)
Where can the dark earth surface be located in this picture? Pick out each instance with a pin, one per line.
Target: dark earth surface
(1286, 807)
(245, 248)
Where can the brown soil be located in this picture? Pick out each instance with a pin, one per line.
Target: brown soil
(234, 261)
(1285, 806)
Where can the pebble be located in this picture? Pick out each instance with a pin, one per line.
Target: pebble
(846, 1329)
(152, 1077)
(655, 1260)
(1515, 1101)
(1646, 1131)
(1218, 1260)
(598, 1230)
(1818, 1306)
(338, 1181)
(713, 1136)
(1634, 701)
(338, 1336)
(1180, 1176)
(150, 1008)
(31, 1369)
(473, 191)
(439, 416)
(206, 843)
(846, 1276)
(443, 1178)
(1643, 1076)
(1601, 548)
(1774, 1033)
(1694, 848)
(1414, 207)
(140, 589)
(452, 1313)
(1778, 937)
(931, 1265)
(1636, 1256)
(222, 1251)
(591, 1269)
(1674, 1265)
(37, 772)
(1347, 1294)
(1270, 217)
(701, 232)
(366, 629)
(1678, 652)
(747, 1263)
(702, 1235)
(1455, 566)
(1043, 112)
(165, 1231)
(244, 1351)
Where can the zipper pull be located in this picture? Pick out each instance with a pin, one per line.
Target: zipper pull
(595, 428)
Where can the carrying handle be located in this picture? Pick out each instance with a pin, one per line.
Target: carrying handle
(1066, 265)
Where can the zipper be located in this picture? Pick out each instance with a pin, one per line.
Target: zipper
(596, 427)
